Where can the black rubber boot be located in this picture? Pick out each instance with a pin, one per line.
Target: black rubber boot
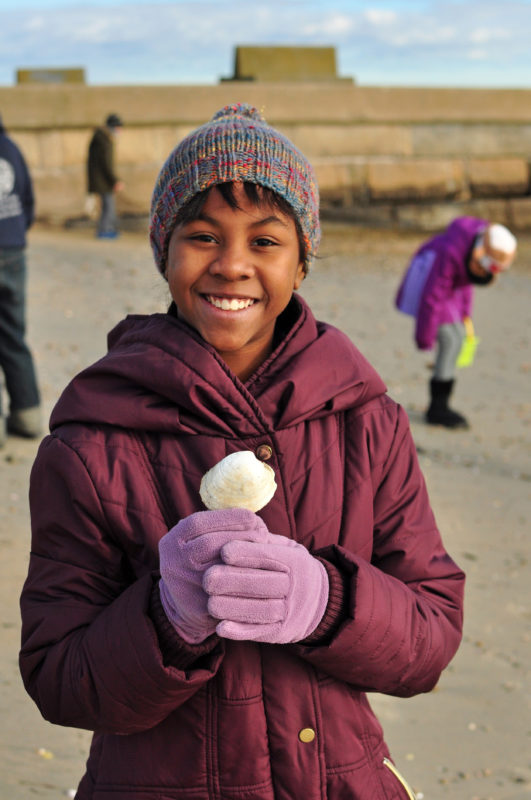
(438, 413)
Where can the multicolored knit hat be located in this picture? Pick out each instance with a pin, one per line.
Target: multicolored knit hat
(236, 145)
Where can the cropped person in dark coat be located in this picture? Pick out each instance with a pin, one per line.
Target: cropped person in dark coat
(16, 361)
(102, 179)
(227, 653)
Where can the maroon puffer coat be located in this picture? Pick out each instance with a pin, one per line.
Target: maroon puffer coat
(131, 438)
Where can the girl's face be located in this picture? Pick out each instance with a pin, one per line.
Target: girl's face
(231, 272)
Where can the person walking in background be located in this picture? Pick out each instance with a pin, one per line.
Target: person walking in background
(438, 290)
(102, 178)
(214, 651)
(16, 361)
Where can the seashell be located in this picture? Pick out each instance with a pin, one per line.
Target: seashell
(239, 480)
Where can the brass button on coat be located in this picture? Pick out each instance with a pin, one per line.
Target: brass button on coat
(307, 735)
(264, 452)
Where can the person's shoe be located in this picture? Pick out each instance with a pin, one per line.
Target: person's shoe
(446, 417)
(108, 235)
(26, 422)
(438, 412)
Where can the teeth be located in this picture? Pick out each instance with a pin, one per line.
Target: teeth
(235, 304)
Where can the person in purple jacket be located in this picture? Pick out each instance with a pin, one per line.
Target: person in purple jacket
(438, 289)
(226, 653)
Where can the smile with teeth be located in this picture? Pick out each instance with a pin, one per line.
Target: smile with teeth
(229, 304)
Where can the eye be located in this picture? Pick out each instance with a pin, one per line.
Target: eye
(202, 237)
(264, 241)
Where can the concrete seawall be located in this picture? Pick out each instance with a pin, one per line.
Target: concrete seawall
(401, 157)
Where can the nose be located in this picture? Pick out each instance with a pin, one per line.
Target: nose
(233, 262)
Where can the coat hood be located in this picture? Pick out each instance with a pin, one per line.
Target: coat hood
(459, 239)
(160, 375)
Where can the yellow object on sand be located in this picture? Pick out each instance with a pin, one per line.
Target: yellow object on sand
(468, 351)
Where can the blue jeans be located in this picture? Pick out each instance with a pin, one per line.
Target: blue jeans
(107, 223)
(16, 360)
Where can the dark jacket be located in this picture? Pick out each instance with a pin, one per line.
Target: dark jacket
(436, 288)
(17, 207)
(131, 438)
(100, 165)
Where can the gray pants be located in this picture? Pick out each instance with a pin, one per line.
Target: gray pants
(107, 222)
(16, 360)
(449, 340)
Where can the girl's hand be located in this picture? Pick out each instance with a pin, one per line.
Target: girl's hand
(273, 591)
(186, 552)
(469, 327)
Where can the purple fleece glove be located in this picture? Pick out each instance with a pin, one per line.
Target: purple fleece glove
(186, 551)
(273, 591)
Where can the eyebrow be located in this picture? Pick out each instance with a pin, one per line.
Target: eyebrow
(212, 221)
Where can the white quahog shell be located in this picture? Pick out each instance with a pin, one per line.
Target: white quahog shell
(239, 480)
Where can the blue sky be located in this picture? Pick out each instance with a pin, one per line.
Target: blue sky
(405, 43)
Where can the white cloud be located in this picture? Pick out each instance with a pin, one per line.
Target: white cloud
(380, 16)
(35, 22)
(487, 35)
(339, 25)
(478, 55)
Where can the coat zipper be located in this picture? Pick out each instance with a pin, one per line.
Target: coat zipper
(410, 793)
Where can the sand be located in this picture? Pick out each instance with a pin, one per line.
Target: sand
(470, 739)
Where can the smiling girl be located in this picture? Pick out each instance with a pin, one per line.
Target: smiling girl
(232, 267)
(226, 655)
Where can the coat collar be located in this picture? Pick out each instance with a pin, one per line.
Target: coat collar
(159, 375)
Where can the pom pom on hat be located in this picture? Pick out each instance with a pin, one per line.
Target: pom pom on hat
(237, 144)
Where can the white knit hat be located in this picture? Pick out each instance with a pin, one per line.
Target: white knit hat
(499, 246)
(501, 239)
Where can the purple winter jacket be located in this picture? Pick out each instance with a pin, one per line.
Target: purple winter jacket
(436, 288)
(131, 437)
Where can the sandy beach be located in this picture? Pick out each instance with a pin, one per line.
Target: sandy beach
(470, 739)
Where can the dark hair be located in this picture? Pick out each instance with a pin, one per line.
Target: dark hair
(255, 193)
(113, 121)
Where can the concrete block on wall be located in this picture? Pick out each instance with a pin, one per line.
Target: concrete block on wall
(520, 213)
(59, 194)
(140, 145)
(351, 140)
(429, 217)
(51, 155)
(341, 183)
(495, 177)
(415, 179)
(495, 209)
(29, 143)
(474, 139)
(75, 147)
(266, 63)
(139, 181)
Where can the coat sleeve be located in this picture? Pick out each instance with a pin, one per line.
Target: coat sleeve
(437, 300)
(404, 610)
(27, 196)
(107, 164)
(90, 655)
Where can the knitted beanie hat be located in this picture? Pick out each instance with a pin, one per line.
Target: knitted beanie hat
(499, 246)
(236, 145)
